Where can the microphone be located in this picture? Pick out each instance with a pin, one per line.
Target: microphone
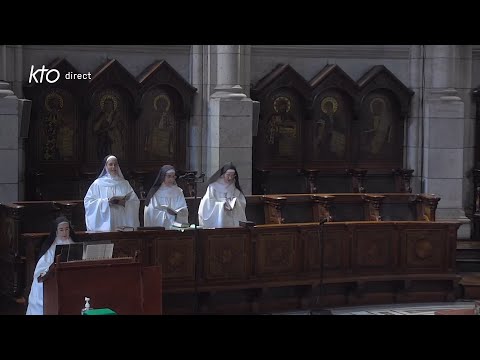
(323, 221)
(188, 175)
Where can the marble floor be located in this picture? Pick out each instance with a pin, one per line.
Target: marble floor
(392, 309)
(7, 308)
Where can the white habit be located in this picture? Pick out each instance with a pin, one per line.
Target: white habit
(211, 211)
(35, 299)
(171, 196)
(100, 215)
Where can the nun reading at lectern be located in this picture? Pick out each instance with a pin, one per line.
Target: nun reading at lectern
(110, 201)
(60, 234)
(165, 203)
(223, 204)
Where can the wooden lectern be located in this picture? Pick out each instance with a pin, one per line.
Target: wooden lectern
(121, 284)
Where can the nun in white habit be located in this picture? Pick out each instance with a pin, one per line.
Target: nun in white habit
(165, 202)
(110, 201)
(61, 233)
(223, 204)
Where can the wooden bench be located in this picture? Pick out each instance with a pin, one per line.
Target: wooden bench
(289, 266)
(294, 208)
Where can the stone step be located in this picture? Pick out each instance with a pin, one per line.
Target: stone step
(470, 283)
(468, 259)
(468, 267)
(465, 255)
(468, 256)
(468, 245)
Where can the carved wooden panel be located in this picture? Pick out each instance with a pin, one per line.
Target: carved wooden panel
(348, 211)
(177, 257)
(384, 106)
(279, 134)
(282, 94)
(374, 250)
(380, 130)
(54, 130)
(108, 125)
(227, 256)
(330, 127)
(276, 252)
(11, 236)
(122, 248)
(425, 250)
(334, 247)
(76, 123)
(329, 140)
(164, 99)
(54, 146)
(344, 125)
(7, 273)
(157, 126)
(56, 127)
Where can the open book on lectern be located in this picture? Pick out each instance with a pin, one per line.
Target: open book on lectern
(84, 251)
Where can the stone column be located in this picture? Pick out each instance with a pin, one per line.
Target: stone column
(445, 130)
(230, 114)
(228, 84)
(194, 161)
(414, 137)
(9, 135)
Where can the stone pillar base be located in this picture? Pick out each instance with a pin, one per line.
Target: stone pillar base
(229, 92)
(457, 215)
(9, 158)
(229, 136)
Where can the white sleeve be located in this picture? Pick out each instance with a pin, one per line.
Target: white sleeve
(97, 210)
(132, 206)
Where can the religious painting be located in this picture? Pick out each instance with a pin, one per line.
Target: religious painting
(331, 117)
(281, 131)
(108, 124)
(58, 126)
(378, 128)
(158, 121)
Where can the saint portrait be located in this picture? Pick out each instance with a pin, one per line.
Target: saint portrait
(108, 126)
(330, 130)
(377, 138)
(160, 136)
(281, 129)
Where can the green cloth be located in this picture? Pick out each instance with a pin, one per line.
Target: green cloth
(100, 312)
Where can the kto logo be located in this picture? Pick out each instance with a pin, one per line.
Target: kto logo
(51, 75)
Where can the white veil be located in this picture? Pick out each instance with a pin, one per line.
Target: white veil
(105, 173)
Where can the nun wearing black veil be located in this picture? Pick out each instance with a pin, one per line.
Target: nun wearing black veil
(223, 204)
(61, 233)
(165, 202)
(110, 201)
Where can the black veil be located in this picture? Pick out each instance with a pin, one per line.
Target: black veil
(223, 170)
(53, 234)
(158, 182)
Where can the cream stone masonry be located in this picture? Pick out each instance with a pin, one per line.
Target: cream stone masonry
(438, 145)
(230, 119)
(9, 137)
(439, 139)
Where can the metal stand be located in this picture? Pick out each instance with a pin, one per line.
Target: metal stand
(192, 177)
